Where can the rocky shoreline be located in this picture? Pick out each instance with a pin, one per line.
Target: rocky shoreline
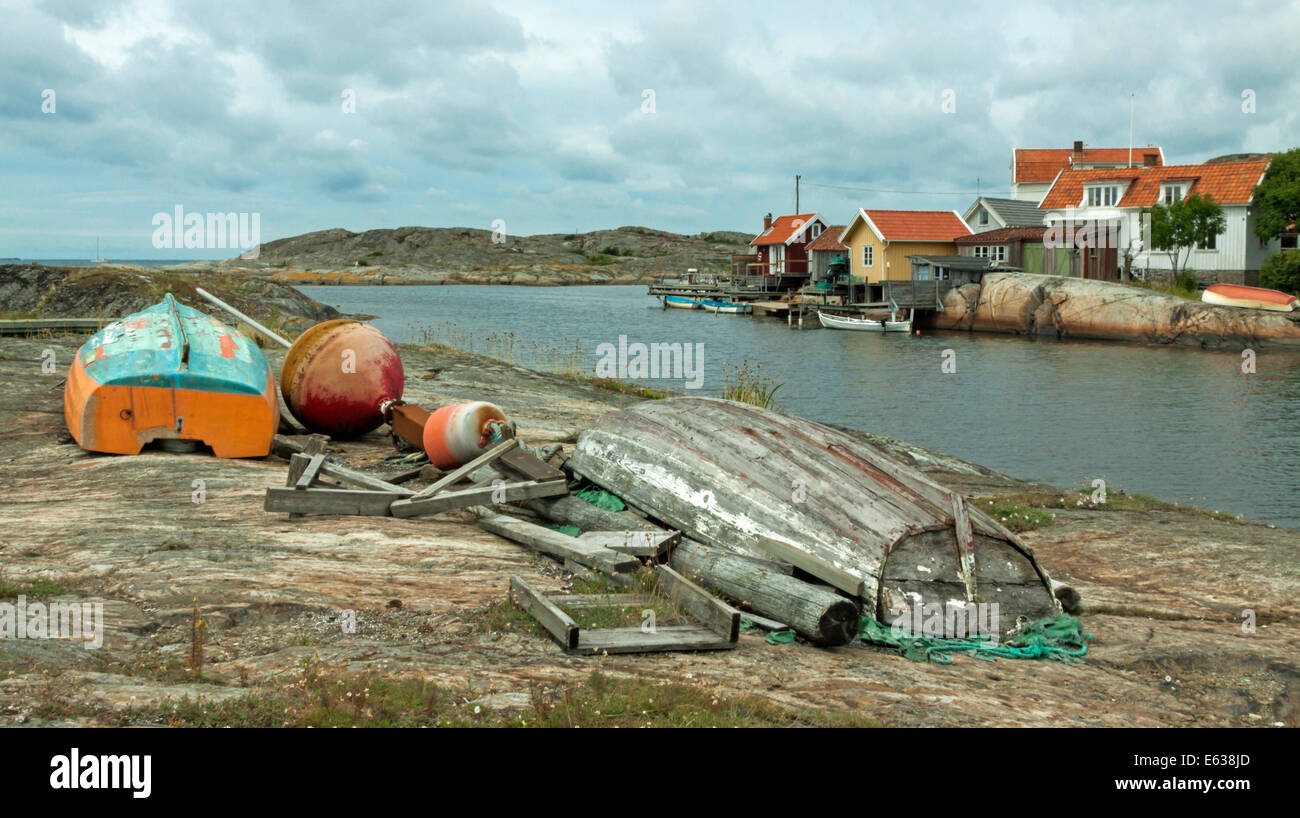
(1059, 307)
(1165, 589)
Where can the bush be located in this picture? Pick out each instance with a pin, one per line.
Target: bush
(1281, 271)
(1187, 282)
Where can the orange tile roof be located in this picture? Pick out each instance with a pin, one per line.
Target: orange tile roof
(1227, 182)
(918, 225)
(829, 240)
(783, 227)
(1042, 164)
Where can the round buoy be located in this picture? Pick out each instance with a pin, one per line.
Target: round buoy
(338, 374)
(456, 434)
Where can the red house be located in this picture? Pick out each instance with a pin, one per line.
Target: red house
(782, 247)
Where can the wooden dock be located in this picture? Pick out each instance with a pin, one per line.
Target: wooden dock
(33, 326)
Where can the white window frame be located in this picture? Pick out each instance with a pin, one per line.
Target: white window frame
(1168, 188)
(1104, 195)
(996, 252)
(868, 256)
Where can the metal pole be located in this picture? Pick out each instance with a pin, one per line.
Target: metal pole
(223, 305)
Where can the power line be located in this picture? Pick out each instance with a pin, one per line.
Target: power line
(911, 192)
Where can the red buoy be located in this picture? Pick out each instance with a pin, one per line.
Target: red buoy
(338, 375)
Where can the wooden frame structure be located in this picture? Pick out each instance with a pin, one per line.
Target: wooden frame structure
(716, 625)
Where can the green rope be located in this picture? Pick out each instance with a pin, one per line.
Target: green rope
(784, 637)
(1059, 638)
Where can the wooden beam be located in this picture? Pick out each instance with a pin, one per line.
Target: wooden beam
(556, 621)
(819, 568)
(309, 471)
(600, 641)
(636, 543)
(560, 546)
(416, 505)
(463, 471)
(330, 501)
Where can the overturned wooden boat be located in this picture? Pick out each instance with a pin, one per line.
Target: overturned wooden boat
(171, 373)
(767, 485)
(1258, 298)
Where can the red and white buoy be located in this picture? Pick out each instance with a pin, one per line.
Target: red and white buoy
(339, 375)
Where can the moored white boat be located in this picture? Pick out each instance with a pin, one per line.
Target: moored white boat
(677, 302)
(830, 321)
(1259, 298)
(727, 307)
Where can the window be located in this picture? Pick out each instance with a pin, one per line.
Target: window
(1212, 244)
(996, 252)
(867, 254)
(984, 216)
(1173, 193)
(816, 230)
(1103, 196)
(1289, 241)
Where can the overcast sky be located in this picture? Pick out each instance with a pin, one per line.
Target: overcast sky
(577, 116)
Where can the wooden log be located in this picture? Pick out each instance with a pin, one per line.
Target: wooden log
(330, 501)
(450, 500)
(571, 510)
(815, 612)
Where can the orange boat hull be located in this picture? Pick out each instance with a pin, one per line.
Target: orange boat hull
(1259, 298)
(122, 419)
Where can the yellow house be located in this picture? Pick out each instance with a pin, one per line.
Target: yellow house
(880, 241)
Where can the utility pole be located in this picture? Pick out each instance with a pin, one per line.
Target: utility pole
(1130, 129)
(796, 193)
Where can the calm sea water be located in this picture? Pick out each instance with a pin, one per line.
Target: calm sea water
(1183, 425)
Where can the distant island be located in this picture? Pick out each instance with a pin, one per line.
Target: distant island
(463, 255)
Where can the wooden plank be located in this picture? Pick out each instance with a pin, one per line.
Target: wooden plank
(712, 612)
(408, 475)
(586, 601)
(463, 471)
(556, 544)
(763, 622)
(816, 566)
(636, 543)
(529, 465)
(634, 640)
(965, 541)
(356, 479)
(330, 501)
(556, 621)
(449, 500)
(310, 470)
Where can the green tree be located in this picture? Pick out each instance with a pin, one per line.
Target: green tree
(1277, 197)
(1178, 227)
(1281, 271)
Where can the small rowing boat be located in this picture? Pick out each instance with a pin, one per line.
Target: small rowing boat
(677, 302)
(1259, 298)
(731, 307)
(171, 373)
(888, 323)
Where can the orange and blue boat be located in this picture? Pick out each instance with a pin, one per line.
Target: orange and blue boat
(171, 373)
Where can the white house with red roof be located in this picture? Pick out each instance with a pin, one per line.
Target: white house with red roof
(782, 247)
(1033, 170)
(1097, 213)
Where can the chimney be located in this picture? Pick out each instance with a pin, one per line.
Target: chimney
(1149, 159)
(767, 222)
(1078, 150)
